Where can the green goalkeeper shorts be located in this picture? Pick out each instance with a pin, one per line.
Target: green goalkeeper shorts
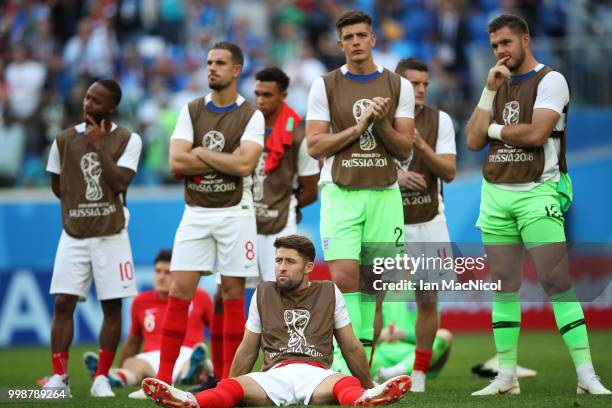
(355, 218)
(531, 217)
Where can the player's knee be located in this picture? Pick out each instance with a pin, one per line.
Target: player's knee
(427, 301)
(111, 308)
(427, 308)
(554, 286)
(232, 288)
(65, 304)
(346, 281)
(232, 293)
(446, 335)
(182, 290)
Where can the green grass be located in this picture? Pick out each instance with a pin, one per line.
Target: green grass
(555, 385)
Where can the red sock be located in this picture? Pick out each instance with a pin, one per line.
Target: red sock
(347, 390)
(233, 329)
(60, 362)
(105, 361)
(173, 330)
(216, 343)
(226, 394)
(422, 358)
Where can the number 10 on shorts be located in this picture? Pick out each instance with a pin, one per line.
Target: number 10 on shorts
(126, 270)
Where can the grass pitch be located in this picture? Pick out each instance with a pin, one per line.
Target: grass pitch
(545, 352)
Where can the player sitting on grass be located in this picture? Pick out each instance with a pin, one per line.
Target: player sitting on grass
(395, 349)
(293, 320)
(145, 333)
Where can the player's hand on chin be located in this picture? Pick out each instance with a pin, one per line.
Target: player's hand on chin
(498, 74)
(93, 132)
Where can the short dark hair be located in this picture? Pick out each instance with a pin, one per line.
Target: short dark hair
(274, 74)
(164, 255)
(303, 245)
(113, 87)
(352, 17)
(234, 49)
(515, 23)
(411, 63)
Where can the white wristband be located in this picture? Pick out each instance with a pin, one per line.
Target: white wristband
(495, 131)
(486, 99)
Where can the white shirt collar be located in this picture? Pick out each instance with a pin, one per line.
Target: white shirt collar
(239, 100)
(344, 69)
(81, 127)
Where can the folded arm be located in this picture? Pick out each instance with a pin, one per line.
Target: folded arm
(183, 160)
(241, 162)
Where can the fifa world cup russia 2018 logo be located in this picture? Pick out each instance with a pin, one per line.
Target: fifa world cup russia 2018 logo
(215, 141)
(367, 141)
(512, 111)
(92, 170)
(296, 321)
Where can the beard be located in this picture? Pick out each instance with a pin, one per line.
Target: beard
(289, 285)
(218, 86)
(519, 61)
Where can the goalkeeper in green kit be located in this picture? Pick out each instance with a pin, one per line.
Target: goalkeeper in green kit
(521, 117)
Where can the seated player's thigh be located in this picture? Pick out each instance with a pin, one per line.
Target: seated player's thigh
(265, 388)
(324, 393)
(72, 273)
(182, 363)
(236, 239)
(113, 267)
(145, 362)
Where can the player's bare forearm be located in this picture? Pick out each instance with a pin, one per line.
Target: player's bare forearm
(183, 160)
(397, 142)
(357, 364)
(187, 164)
(476, 129)
(246, 354)
(55, 185)
(308, 190)
(119, 178)
(354, 355)
(323, 143)
(442, 165)
(131, 347)
(241, 162)
(534, 134)
(524, 135)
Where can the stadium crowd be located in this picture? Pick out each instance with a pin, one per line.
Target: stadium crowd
(50, 50)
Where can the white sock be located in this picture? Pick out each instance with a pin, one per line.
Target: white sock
(393, 371)
(507, 373)
(585, 370)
